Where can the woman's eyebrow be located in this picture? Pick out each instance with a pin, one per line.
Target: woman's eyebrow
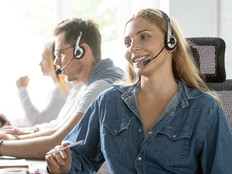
(141, 31)
(137, 33)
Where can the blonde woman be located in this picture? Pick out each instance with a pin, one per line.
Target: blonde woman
(56, 98)
(164, 120)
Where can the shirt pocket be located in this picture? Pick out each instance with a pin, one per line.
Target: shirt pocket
(172, 144)
(115, 136)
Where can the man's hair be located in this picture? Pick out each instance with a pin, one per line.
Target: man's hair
(90, 34)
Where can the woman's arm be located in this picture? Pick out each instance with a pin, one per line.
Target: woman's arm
(217, 152)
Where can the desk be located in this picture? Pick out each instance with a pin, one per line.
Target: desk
(34, 166)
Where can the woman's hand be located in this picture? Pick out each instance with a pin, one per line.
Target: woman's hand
(12, 130)
(59, 162)
(22, 82)
(6, 136)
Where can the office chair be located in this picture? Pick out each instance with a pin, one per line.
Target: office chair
(209, 54)
(224, 90)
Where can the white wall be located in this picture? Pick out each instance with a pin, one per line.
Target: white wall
(206, 18)
(63, 10)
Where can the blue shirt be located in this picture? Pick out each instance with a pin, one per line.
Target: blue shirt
(192, 135)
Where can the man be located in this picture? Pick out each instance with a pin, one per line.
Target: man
(78, 55)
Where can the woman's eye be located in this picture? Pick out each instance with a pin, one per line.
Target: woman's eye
(144, 36)
(127, 43)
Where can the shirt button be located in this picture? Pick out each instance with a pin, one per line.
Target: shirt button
(173, 136)
(139, 158)
(171, 113)
(115, 131)
(140, 130)
(150, 132)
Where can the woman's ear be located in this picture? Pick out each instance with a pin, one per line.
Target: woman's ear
(170, 51)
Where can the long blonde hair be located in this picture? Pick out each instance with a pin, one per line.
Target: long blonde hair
(183, 64)
(58, 79)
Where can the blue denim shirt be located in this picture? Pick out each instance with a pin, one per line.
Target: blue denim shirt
(191, 137)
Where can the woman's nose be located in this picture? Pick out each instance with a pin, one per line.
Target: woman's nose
(134, 46)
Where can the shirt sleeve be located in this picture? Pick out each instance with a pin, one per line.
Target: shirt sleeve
(86, 157)
(217, 152)
(82, 102)
(35, 116)
(90, 93)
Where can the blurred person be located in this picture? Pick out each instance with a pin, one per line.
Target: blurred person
(56, 98)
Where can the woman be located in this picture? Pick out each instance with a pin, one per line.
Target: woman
(56, 97)
(165, 120)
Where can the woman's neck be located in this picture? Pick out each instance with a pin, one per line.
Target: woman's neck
(159, 87)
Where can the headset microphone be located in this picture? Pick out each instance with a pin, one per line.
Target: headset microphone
(58, 71)
(149, 60)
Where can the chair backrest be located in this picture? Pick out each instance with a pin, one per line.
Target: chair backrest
(209, 55)
(224, 90)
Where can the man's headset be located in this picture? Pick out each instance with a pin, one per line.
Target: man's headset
(79, 51)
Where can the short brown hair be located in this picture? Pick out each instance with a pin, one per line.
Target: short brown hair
(90, 34)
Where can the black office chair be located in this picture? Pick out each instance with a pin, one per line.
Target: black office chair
(224, 89)
(209, 54)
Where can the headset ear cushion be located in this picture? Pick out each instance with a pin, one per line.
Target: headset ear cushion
(79, 53)
(171, 44)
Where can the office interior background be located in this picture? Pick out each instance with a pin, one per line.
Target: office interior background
(27, 24)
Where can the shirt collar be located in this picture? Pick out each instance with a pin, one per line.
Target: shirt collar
(185, 93)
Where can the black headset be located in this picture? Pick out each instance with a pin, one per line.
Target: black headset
(79, 51)
(170, 41)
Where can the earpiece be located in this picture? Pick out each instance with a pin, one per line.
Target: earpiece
(170, 41)
(79, 51)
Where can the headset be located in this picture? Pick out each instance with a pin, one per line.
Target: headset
(170, 41)
(79, 51)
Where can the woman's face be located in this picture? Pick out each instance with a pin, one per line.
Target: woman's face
(143, 40)
(46, 62)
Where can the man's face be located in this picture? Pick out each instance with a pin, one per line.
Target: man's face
(64, 53)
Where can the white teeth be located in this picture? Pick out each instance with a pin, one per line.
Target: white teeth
(139, 59)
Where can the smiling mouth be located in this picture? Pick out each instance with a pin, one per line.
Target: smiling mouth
(139, 59)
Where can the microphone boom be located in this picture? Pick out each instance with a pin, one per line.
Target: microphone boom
(58, 71)
(149, 60)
